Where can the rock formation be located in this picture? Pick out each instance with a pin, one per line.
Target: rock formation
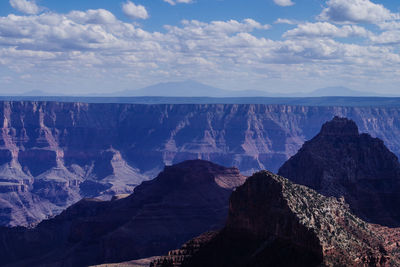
(53, 154)
(273, 222)
(182, 202)
(341, 162)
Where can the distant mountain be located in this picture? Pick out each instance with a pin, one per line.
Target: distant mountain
(191, 88)
(339, 91)
(188, 89)
(39, 93)
(195, 89)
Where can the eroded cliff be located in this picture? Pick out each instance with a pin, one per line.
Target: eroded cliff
(53, 154)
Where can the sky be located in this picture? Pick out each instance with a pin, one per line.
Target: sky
(280, 46)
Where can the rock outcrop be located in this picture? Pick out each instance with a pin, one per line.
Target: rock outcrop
(182, 202)
(273, 222)
(60, 153)
(341, 162)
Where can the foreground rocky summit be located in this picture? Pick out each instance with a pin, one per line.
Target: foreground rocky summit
(273, 222)
(182, 202)
(341, 162)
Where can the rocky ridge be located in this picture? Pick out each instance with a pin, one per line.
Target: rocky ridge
(182, 202)
(271, 218)
(341, 162)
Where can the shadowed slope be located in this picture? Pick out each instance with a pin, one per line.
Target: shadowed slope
(180, 203)
(273, 222)
(341, 162)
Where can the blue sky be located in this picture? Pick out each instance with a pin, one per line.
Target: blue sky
(103, 46)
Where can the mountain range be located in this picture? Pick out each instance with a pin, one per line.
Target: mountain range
(196, 89)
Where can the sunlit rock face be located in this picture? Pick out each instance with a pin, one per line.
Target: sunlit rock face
(53, 154)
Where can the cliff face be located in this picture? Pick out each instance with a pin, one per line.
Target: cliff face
(341, 162)
(53, 154)
(273, 222)
(182, 202)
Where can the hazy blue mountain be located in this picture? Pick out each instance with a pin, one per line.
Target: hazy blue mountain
(196, 89)
(188, 89)
(339, 91)
(39, 93)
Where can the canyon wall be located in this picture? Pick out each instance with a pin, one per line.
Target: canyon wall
(52, 154)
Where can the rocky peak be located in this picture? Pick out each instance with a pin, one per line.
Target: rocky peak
(341, 162)
(339, 127)
(273, 222)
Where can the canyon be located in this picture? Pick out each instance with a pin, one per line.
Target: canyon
(334, 211)
(182, 202)
(53, 154)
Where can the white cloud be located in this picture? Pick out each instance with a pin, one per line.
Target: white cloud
(65, 49)
(326, 29)
(92, 16)
(391, 37)
(389, 25)
(285, 21)
(284, 2)
(174, 2)
(24, 6)
(197, 29)
(134, 11)
(357, 11)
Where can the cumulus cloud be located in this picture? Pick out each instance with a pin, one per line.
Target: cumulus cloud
(25, 6)
(197, 28)
(77, 30)
(284, 2)
(326, 29)
(391, 37)
(174, 2)
(356, 11)
(92, 16)
(97, 44)
(285, 21)
(134, 11)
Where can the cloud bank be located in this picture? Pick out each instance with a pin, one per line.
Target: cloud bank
(95, 49)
